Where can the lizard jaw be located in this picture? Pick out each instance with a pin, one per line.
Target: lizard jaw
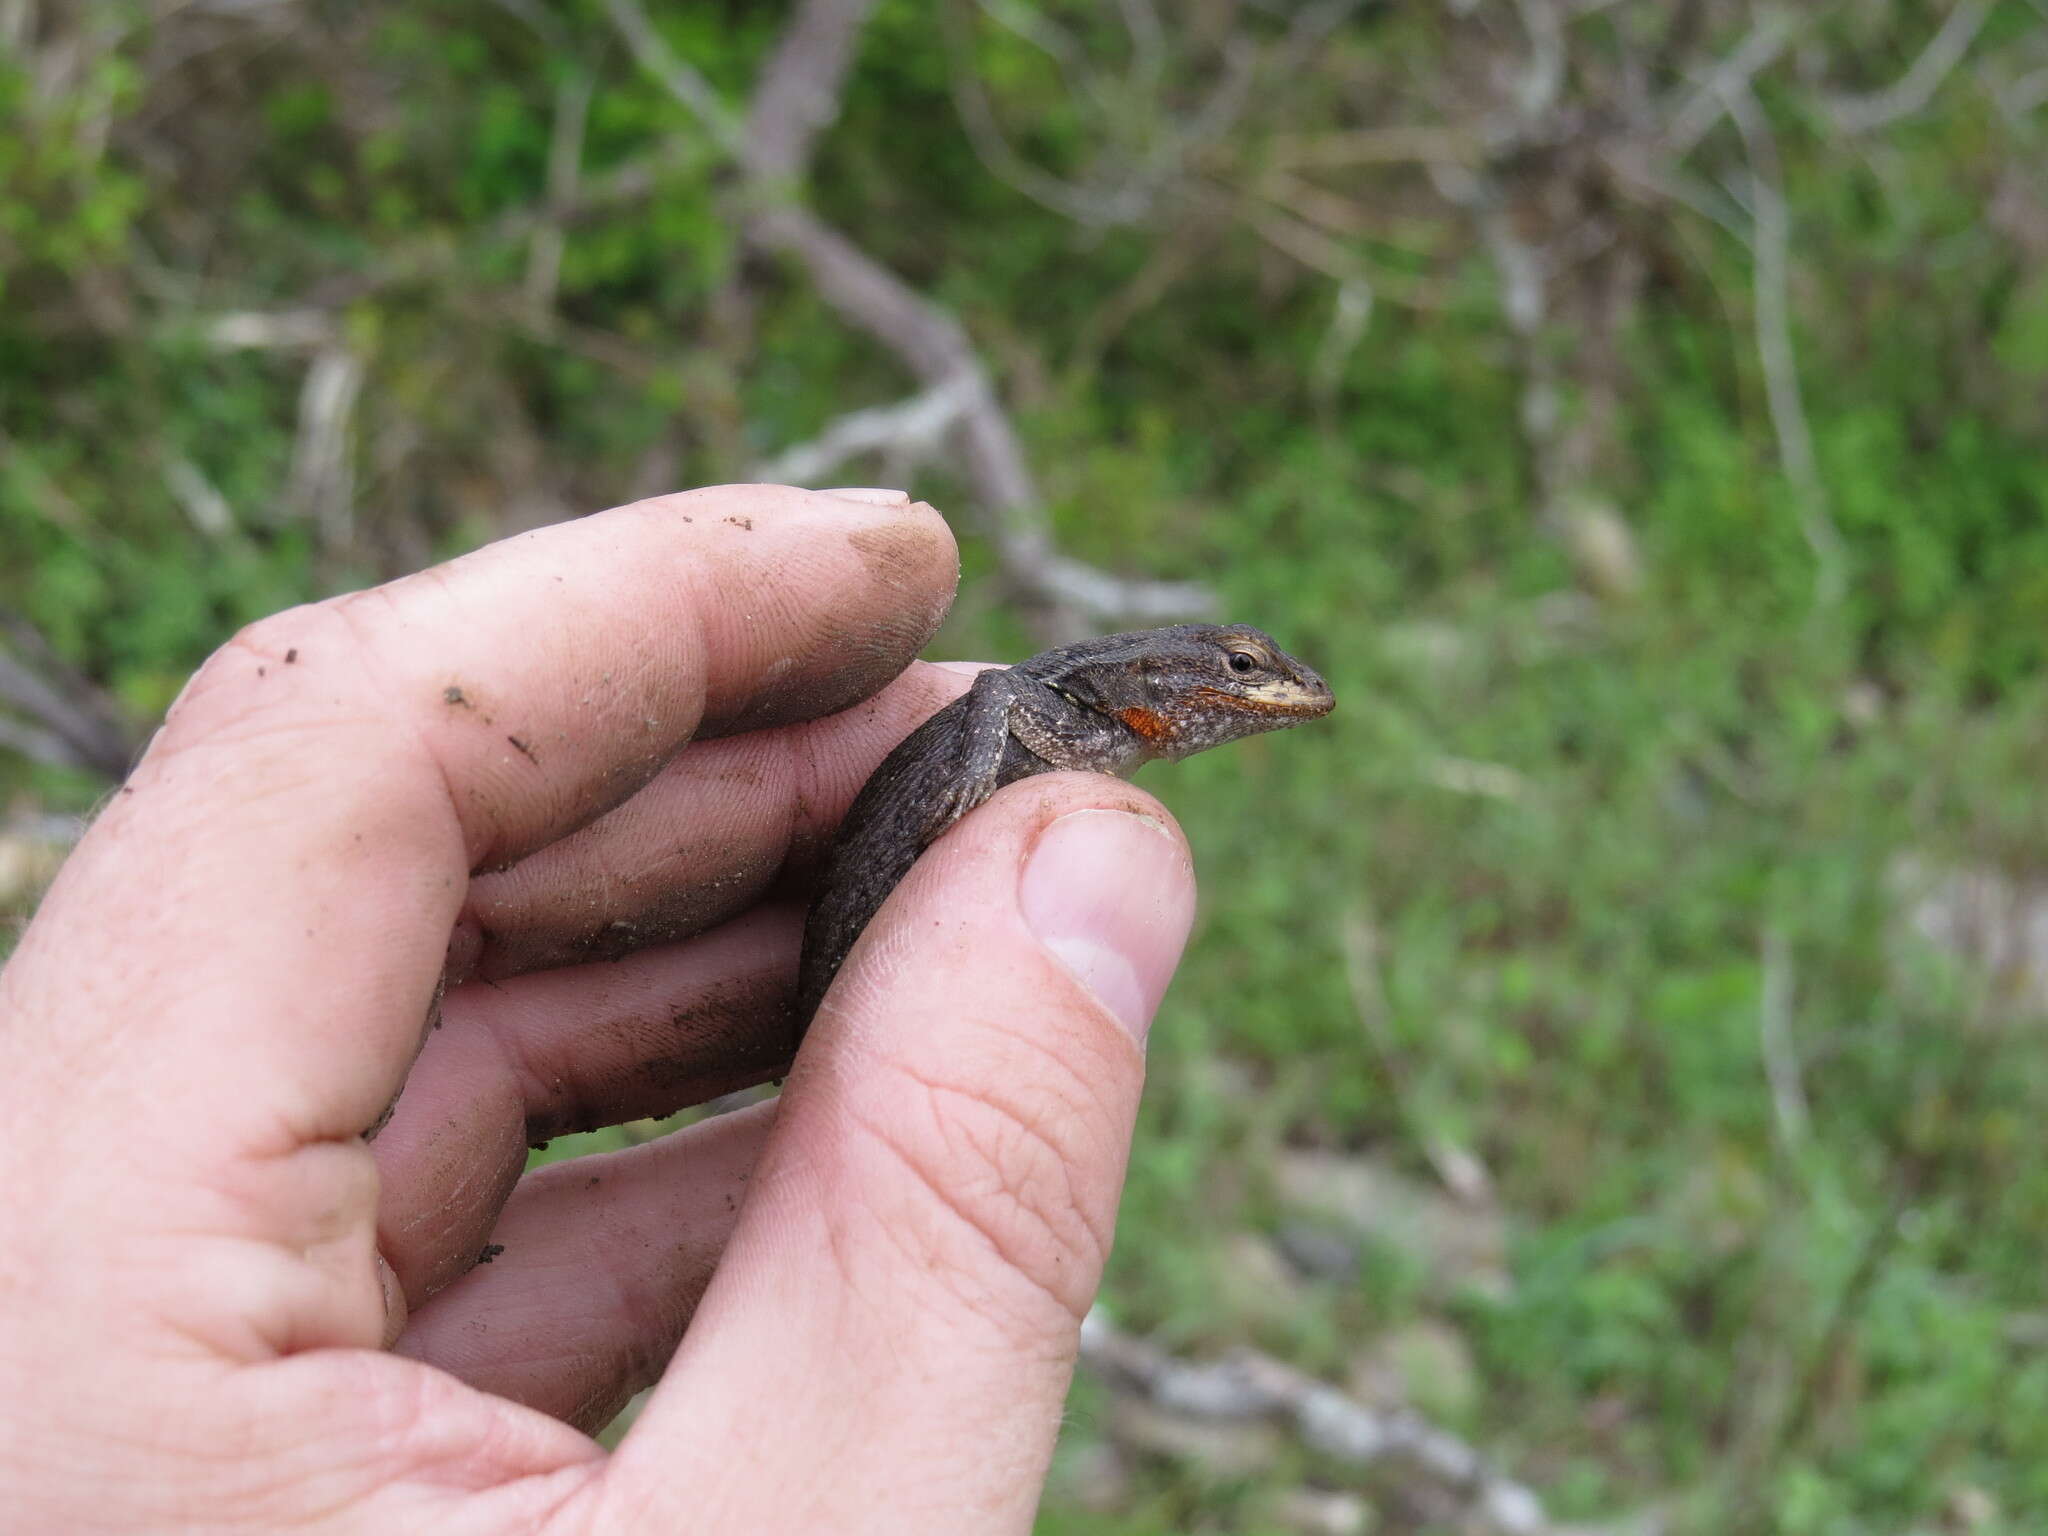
(1304, 700)
(1284, 699)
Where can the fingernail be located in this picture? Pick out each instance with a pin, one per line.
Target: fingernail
(1111, 894)
(394, 1301)
(873, 496)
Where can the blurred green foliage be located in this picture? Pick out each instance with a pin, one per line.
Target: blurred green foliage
(1586, 830)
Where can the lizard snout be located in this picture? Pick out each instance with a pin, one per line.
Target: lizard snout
(1304, 694)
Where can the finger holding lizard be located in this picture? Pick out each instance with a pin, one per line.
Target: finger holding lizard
(228, 981)
(935, 1201)
(720, 828)
(545, 1053)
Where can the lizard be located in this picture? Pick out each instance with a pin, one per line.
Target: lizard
(1107, 705)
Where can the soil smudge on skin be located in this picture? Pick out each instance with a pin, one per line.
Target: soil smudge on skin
(844, 661)
(607, 917)
(653, 1062)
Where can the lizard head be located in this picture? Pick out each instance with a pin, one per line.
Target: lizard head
(1212, 683)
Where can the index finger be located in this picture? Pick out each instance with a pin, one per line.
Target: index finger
(274, 888)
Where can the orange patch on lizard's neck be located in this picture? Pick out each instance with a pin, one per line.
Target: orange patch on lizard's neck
(1148, 723)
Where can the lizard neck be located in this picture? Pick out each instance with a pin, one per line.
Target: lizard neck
(1079, 734)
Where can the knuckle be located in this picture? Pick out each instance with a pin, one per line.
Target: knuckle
(241, 682)
(291, 637)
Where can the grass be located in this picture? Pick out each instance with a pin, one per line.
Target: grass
(1588, 841)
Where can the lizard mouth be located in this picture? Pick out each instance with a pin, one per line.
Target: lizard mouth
(1299, 698)
(1292, 699)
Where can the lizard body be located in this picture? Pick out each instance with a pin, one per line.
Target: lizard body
(1106, 706)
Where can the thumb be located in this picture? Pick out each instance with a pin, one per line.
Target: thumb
(892, 1330)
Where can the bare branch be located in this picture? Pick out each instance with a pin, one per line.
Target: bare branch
(802, 82)
(1042, 33)
(69, 720)
(935, 347)
(322, 486)
(1090, 207)
(534, 14)
(619, 353)
(1350, 313)
(2024, 95)
(1709, 100)
(1523, 268)
(1522, 264)
(1306, 32)
(1148, 37)
(1376, 146)
(1173, 257)
(1249, 1385)
(629, 182)
(1772, 278)
(1780, 1052)
(41, 491)
(1911, 92)
(916, 425)
(565, 169)
(38, 746)
(799, 89)
(1540, 85)
(1462, 1173)
(680, 79)
(1218, 114)
(1709, 202)
(928, 339)
(1318, 205)
(1132, 189)
(1306, 244)
(1482, 780)
(869, 296)
(204, 506)
(288, 329)
(1030, 560)
(1296, 223)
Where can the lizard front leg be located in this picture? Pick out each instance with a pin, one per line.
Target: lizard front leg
(1056, 732)
(984, 739)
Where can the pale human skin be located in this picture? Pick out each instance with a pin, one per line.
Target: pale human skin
(222, 1310)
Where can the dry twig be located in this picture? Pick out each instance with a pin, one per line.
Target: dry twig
(67, 720)
(1772, 278)
(796, 96)
(1911, 92)
(322, 490)
(1248, 1385)
(565, 169)
(913, 427)
(1780, 1051)
(1695, 117)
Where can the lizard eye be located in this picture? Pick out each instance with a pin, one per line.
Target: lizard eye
(1243, 661)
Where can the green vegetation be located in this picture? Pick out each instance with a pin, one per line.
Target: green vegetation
(1581, 834)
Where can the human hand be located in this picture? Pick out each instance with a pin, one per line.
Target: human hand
(224, 1310)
